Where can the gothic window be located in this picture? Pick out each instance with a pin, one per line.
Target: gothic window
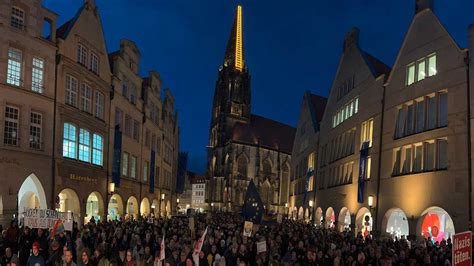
(266, 169)
(242, 166)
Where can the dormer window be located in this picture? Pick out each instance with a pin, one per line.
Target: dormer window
(18, 18)
(420, 69)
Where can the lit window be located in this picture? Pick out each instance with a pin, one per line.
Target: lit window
(125, 164)
(368, 167)
(345, 112)
(133, 167)
(11, 134)
(421, 70)
(145, 171)
(432, 65)
(99, 105)
(71, 90)
(35, 130)
(86, 98)
(97, 149)
(366, 133)
(94, 63)
(69, 141)
(411, 74)
(14, 67)
(18, 18)
(37, 74)
(81, 54)
(84, 145)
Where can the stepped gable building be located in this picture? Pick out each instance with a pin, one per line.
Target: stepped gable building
(244, 146)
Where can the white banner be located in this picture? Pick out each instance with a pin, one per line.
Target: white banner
(261, 246)
(45, 219)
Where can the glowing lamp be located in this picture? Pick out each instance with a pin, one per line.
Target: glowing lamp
(111, 187)
(163, 196)
(310, 203)
(370, 201)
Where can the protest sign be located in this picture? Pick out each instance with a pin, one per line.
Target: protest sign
(248, 228)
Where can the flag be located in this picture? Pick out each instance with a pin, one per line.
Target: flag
(57, 228)
(161, 256)
(252, 210)
(152, 172)
(364, 151)
(269, 219)
(116, 156)
(308, 175)
(198, 247)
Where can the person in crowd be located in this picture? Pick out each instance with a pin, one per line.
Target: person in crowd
(6, 258)
(35, 258)
(68, 258)
(85, 258)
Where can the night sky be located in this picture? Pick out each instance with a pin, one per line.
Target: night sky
(289, 46)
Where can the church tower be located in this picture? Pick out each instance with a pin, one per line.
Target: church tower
(231, 102)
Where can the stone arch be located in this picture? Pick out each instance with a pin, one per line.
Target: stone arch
(115, 207)
(330, 218)
(395, 223)
(69, 201)
(155, 206)
(301, 213)
(31, 194)
(306, 215)
(344, 219)
(435, 222)
(319, 216)
(242, 165)
(145, 207)
(132, 207)
(266, 169)
(94, 207)
(362, 224)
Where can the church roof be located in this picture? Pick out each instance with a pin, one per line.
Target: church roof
(270, 133)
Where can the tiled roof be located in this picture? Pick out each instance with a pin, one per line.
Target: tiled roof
(377, 67)
(270, 133)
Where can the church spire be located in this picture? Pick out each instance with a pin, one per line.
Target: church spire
(234, 55)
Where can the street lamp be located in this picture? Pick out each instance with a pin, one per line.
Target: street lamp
(111, 188)
(163, 196)
(177, 200)
(370, 201)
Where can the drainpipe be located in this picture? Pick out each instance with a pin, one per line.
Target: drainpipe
(53, 164)
(469, 142)
(109, 132)
(379, 166)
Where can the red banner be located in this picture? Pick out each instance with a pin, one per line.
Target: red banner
(462, 249)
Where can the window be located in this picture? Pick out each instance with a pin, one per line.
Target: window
(442, 154)
(136, 130)
(14, 67)
(84, 145)
(420, 116)
(417, 163)
(368, 167)
(400, 123)
(430, 113)
(411, 74)
(133, 94)
(94, 63)
(86, 97)
(128, 121)
(99, 105)
(424, 67)
(12, 117)
(37, 75)
(125, 164)
(429, 156)
(97, 149)
(133, 167)
(145, 171)
(81, 54)
(147, 138)
(71, 90)
(125, 88)
(35, 130)
(407, 160)
(443, 110)
(69, 141)
(345, 112)
(410, 126)
(118, 117)
(396, 163)
(18, 18)
(366, 133)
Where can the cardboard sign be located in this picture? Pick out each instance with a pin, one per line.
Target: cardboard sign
(462, 249)
(45, 219)
(261, 246)
(248, 228)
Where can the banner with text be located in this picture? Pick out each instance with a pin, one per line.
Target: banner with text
(462, 249)
(45, 219)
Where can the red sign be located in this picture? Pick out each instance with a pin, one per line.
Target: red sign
(462, 249)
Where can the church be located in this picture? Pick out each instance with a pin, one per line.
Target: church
(244, 146)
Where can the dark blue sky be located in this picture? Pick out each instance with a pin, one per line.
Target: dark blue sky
(290, 47)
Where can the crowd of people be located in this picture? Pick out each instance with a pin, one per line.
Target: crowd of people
(137, 242)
